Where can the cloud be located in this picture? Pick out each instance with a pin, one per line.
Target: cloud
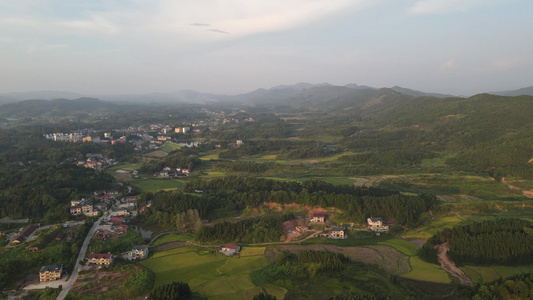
(449, 64)
(243, 17)
(426, 7)
(48, 47)
(96, 23)
(217, 31)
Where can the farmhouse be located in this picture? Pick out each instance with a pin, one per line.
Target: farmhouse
(374, 222)
(139, 252)
(230, 249)
(318, 218)
(377, 224)
(49, 273)
(75, 210)
(100, 259)
(338, 233)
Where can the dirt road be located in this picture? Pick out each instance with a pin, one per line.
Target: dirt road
(448, 265)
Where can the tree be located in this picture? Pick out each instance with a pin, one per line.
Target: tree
(171, 291)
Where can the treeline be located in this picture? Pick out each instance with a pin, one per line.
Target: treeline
(180, 158)
(171, 291)
(284, 149)
(304, 264)
(516, 287)
(253, 230)
(357, 203)
(44, 191)
(387, 159)
(167, 206)
(501, 241)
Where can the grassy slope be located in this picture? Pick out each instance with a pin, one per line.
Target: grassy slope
(212, 275)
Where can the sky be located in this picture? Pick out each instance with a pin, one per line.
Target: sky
(461, 47)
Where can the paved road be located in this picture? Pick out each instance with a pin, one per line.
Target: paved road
(83, 250)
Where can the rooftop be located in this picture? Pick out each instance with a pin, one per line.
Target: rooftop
(51, 268)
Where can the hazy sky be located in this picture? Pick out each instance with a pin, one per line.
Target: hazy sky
(235, 46)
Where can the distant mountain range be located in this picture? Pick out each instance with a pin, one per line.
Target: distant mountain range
(519, 92)
(277, 94)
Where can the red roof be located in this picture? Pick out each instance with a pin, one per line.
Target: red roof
(100, 256)
(116, 219)
(232, 246)
(123, 226)
(318, 215)
(131, 197)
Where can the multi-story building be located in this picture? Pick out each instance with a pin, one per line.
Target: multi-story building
(49, 273)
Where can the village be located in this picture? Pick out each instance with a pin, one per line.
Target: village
(115, 210)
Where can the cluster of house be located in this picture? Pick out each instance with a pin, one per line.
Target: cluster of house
(95, 161)
(172, 172)
(375, 224)
(334, 233)
(79, 137)
(54, 272)
(82, 206)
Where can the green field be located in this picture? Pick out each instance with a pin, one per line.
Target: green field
(403, 246)
(435, 226)
(123, 166)
(171, 238)
(485, 274)
(210, 156)
(169, 147)
(421, 270)
(154, 185)
(212, 275)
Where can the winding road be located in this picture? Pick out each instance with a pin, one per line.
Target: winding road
(81, 256)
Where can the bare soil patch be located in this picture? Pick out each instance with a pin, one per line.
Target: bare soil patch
(104, 281)
(385, 257)
(448, 265)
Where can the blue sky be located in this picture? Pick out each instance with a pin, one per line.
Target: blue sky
(461, 47)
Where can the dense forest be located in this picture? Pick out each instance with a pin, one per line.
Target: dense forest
(501, 241)
(357, 203)
(44, 191)
(253, 230)
(516, 287)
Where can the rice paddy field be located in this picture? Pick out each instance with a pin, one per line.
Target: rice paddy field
(486, 274)
(155, 185)
(423, 271)
(212, 275)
